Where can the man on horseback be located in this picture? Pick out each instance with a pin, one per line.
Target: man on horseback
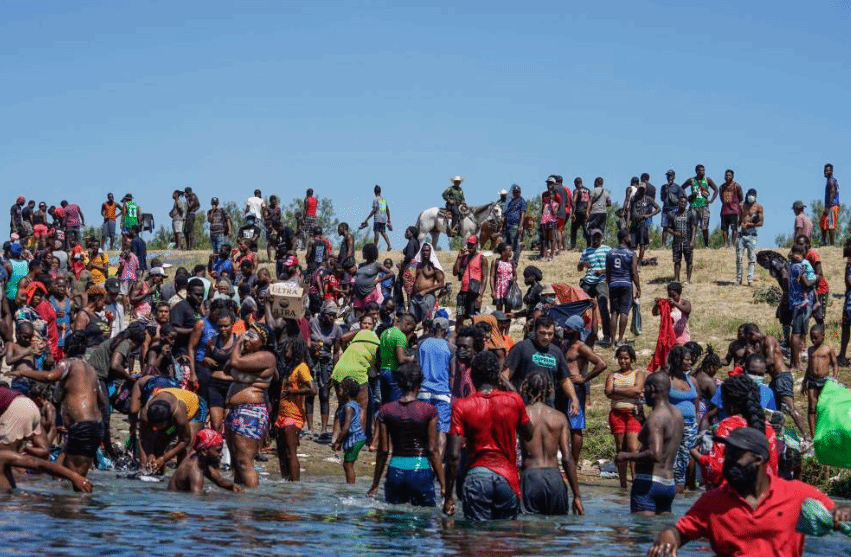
(454, 197)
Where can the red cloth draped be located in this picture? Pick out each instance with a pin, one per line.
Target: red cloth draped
(667, 337)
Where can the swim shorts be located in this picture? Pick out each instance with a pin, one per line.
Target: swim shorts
(487, 495)
(623, 421)
(651, 493)
(410, 479)
(829, 218)
(620, 299)
(84, 438)
(577, 422)
(815, 383)
(21, 420)
(783, 386)
(248, 420)
(217, 392)
(200, 415)
(801, 320)
(351, 454)
(544, 491)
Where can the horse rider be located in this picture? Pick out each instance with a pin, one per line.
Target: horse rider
(454, 197)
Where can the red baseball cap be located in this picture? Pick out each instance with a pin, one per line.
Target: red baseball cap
(473, 239)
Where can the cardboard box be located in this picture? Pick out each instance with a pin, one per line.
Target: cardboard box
(288, 301)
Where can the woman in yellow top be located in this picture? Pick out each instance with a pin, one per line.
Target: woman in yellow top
(169, 412)
(98, 263)
(625, 387)
(291, 413)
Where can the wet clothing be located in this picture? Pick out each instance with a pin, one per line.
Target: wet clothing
(407, 424)
(84, 438)
(783, 385)
(356, 433)
(359, 356)
(154, 384)
(651, 493)
(410, 480)
(487, 495)
(248, 420)
(20, 420)
(292, 407)
(544, 491)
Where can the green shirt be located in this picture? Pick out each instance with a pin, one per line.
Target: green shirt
(131, 214)
(454, 194)
(100, 357)
(390, 339)
(359, 356)
(701, 190)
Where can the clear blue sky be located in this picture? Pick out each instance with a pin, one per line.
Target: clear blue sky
(228, 96)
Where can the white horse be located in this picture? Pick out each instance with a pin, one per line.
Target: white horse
(432, 221)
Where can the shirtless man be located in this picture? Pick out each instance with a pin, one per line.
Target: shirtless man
(578, 355)
(822, 361)
(782, 381)
(429, 280)
(13, 459)
(739, 348)
(653, 490)
(252, 366)
(170, 411)
(542, 488)
(80, 400)
(203, 462)
(23, 354)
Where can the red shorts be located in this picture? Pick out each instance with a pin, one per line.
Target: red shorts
(560, 223)
(40, 231)
(374, 296)
(623, 421)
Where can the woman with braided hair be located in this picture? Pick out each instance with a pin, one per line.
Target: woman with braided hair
(740, 397)
(705, 381)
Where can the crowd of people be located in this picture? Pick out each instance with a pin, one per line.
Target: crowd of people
(208, 370)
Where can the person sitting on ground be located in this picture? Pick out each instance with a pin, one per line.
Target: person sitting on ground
(410, 426)
(653, 490)
(820, 364)
(543, 489)
(429, 279)
(203, 462)
(754, 513)
(489, 421)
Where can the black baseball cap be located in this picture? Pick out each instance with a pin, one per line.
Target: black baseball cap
(747, 439)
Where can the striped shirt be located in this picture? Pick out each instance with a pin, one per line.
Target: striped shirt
(596, 260)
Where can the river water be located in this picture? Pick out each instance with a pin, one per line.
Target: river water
(131, 517)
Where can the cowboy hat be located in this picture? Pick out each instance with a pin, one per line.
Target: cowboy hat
(458, 179)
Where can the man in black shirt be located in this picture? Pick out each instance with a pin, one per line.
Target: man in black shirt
(249, 233)
(192, 205)
(185, 314)
(139, 247)
(538, 354)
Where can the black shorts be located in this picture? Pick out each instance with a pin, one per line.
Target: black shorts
(680, 250)
(729, 222)
(620, 299)
(640, 234)
(544, 492)
(801, 320)
(84, 438)
(379, 227)
(466, 302)
(217, 392)
(597, 220)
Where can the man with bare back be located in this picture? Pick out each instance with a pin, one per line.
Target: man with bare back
(81, 401)
(578, 355)
(782, 380)
(822, 362)
(653, 490)
(543, 490)
(739, 348)
(428, 282)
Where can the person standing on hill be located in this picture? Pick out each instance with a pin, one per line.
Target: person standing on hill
(830, 215)
(581, 210)
(515, 210)
(563, 213)
(221, 226)
(593, 262)
(682, 225)
(731, 197)
(822, 288)
(621, 274)
(74, 221)
(598, 207)
(109, 210)
(381, 213)
(178, 216)
(642, 210)
(130, 212)
(254, 208)
(803, 223)
(669, 196)
(471, 268)
(310, 207)
(700, 185)
(192, 205)
(751, 218)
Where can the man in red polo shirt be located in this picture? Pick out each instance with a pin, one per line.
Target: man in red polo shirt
(754, 513)
(488, 420)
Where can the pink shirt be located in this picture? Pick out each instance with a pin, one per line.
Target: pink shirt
(680, 326)
(803, 222)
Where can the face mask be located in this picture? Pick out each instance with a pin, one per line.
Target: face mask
(758, 379)
(751, 198)
(741, 478)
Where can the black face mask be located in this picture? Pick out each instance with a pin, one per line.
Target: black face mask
(741, 478)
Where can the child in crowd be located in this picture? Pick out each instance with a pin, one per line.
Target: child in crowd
(388, 279)
(348, 432)
(291, 412)
(822, 361)
(502, 275)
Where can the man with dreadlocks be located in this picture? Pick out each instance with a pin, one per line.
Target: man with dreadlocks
(252, 366)
(543, 490)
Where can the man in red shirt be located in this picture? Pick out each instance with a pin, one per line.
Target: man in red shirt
(488, 420)
(754, 513)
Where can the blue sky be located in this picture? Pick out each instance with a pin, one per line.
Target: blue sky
(228, 96)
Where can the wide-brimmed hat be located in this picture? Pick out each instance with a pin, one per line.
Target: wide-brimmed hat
(548, 290)
(458, 179)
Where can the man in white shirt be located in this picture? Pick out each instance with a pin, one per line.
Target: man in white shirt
(254, 208)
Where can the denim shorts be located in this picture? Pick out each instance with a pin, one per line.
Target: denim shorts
(487, 495)
(410, 480)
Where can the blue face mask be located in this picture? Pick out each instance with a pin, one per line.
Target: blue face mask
(758, 379)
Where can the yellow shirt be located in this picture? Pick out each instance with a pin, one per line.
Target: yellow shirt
(293, 406)
(98, 277)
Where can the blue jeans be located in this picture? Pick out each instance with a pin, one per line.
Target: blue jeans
(217, 240)
(745, 242)
(511, 236)
(107, 232)
(390, 389)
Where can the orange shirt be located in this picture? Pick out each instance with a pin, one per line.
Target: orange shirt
(292, 406)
